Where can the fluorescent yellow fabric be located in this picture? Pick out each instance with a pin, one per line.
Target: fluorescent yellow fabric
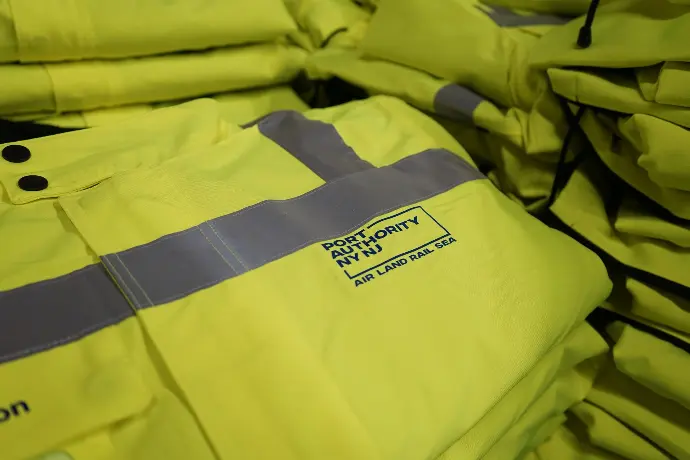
(633, 219)
(615, 90)
(105, 396)
(569, 7)
(560, 379)
(609, 434)
(660, 144)
(566, 445)
(471, 50)
(397, 380)
(622, 158)
(652, 362)
(658, 306)
(235, 108)
(581, 206)
(54, 30)
(322, 19)
(625, 33)
(72, 86)
(662, 421)
(666, 83)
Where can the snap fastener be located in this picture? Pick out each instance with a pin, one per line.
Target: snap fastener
(33, 183)
(16, 153)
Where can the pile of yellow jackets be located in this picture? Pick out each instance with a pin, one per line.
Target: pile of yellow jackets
(210, 269)
(89, 63)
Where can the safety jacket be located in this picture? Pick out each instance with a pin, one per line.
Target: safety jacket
(324, 21)
(73, 86)
(213, 292)
(237, 107)
(52, 30)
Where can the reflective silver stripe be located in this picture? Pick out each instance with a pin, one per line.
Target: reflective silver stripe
(180, 264)
(316, 144)
(50, 313)
(505, 17)
(456, 102)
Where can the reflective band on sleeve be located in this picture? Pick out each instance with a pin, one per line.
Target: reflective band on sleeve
(456, 102)
(50, 313)
(505, 17)
(315, 143)
(180, 264)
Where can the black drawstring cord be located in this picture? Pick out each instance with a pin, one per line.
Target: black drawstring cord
(558, 179)
(584, 39)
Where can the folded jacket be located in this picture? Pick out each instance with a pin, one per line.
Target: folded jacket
(72, 86)
(582, 205)
(660, 144)
(652, 362)
(622, 158)
(561, 379)
(236, 107)
(625, 33)
(662, 421)
(656, 305)
(53, 30)
(612, 89)
(609, 434)
(314, 294)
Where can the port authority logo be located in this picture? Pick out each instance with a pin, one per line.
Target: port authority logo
(388, 244)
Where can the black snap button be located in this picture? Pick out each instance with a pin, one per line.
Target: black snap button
(16, 153)
(33, 183)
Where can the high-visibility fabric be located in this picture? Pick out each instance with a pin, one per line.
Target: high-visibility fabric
(660, 145)
(625, 33)
(654, 304)
(621, 157)
(523, 178)
(664, 422)
(652, 362)
(236, 107)
(324, 20)
(72, 86)
(633, 219)
(581, 206)
(665, 83)
(609, 434)
(52, 30)
(560, 379)
(274, 308)
(614, 90)
(107, 396)
(530, 131)
(566, 445)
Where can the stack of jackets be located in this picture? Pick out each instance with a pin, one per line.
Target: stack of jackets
(86, 57)
(340, 284)
(629, 198)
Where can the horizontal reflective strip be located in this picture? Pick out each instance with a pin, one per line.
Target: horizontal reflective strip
(456, 102)
(315, 143)
(50, 313)
(180, 264)
(505, 17)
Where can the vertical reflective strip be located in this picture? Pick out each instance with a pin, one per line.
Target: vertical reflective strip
(316, 144)
(456, 102)
(505, 17)
(180, 264)
(50, 313)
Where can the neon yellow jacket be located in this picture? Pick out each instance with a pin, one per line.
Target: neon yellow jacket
(215, 321)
